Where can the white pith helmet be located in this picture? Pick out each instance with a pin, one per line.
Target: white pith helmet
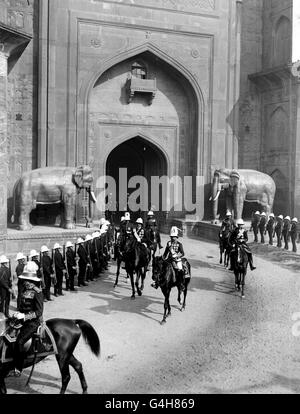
(107, 222)
(140, 221)
(44, 249)
(94, 235)
(3, 259)
(287, 218)
(295, 220)
(57, 246)
(257, 213)
(174, 232)
(88, 237)
(69, 244)
(150, 213)
(272, 215)
(102, 221)
(33, 253)
(20, 256)
(30, 272)
(127, 216)
(80, 240)
(280, 217)
(240, 222)
(228, 213)
(122, 219)
(263, 214)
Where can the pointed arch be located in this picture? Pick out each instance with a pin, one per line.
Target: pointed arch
(282, 41)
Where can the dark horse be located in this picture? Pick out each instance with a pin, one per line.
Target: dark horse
(66, 334)
(225, 247)
(152, 236)
(136, 261)
(118, 256)
(164, 274)
(240, 264)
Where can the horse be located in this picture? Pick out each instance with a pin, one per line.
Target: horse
(136, 261)
(240, 264)
(152, 236)
(66, 334)
(118, 256)
(163, 273)
(225, 247)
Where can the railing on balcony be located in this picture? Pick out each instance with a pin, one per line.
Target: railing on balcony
(145, 86)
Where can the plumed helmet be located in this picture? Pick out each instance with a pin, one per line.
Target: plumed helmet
(88, 237)
(44, 249)
(80, 240)
(240, 222)
(280, 217)
(174, 232)
(150, 213)
(271, 215)
(3, 259)
(57, 246)
(30, 272)
(295, 220)
(69, 244)
(140, 221)
(20, 256)
(33, 253)
(257, 213)
(287, 218)
(263, 214)
(127, 216)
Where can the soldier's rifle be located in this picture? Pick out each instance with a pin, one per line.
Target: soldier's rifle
(42, 271)
(13, 295)
(76, 259)
(66, 262)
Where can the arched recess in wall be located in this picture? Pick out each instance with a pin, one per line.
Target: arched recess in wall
(277, 131)
(282, 193)
(282, 41)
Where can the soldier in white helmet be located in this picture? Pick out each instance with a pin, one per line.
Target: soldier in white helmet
(255, 225)
(5, 285)
(152, 229)
(262, 226)
(293, 233)
(71, 266)
(60, 269)
(278, 230)
(142, 237)
(48, 272)
(240, 235)
(286, 231)
(270, 228)
(21, 260)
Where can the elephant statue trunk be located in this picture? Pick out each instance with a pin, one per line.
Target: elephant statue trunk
(216, 191)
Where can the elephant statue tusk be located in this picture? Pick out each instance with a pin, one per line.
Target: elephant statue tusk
(93, 197)
(217, 196)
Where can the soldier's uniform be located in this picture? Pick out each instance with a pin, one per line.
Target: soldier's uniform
(5, 286)
(88, 245)
(240, 235)
(152, 229)
(19, 270)
(95, 257)
(142, 238)
(271, 228)
(60, 267)
(71, 265)
(278, 230)
(48, 271)
(293, 233)
(31, 312)
(286, 231)
(82, 263)
(255, 225)
(262, 227)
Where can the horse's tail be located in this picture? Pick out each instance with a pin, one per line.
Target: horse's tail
(90, 336)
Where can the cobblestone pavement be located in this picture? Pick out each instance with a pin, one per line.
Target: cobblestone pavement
(220, 344)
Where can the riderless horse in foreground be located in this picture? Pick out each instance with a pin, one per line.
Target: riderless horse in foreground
(136, 261)
(163, 273)
(65, 334)
(240, 264)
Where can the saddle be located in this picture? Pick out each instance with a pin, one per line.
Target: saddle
(41, 343)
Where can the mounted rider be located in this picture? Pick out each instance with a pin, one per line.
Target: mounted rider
(240, 235)
(142, 237)
(126, 229)
(152, 228)
(174, 253)
(227, 225)
(30, 312)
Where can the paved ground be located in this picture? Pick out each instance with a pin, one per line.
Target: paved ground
(220, 344)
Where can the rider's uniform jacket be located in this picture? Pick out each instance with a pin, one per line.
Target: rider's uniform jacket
(173, 249)
(32, 302)
(151, 223)
(238, 234)
(227, 225)
(142, 234)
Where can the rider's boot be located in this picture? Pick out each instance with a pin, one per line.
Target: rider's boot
(251, 262)
(181, 278)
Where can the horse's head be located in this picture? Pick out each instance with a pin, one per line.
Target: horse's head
(157, 267)
(129, 245)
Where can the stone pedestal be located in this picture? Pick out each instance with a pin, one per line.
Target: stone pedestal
(3, 148)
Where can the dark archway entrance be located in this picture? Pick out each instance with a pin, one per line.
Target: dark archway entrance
(141, 158)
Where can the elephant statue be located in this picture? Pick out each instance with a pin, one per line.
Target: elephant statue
(240, 186)
(51, 185)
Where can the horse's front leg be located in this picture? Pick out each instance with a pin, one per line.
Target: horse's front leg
(179, 295)
(118, 272)
(237, 285)
(221, 255)
(143, 277)
(131, 275)
(137, 279)
(243, 284)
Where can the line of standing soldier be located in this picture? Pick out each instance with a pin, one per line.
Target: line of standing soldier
(285, 229)
(89, 260)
